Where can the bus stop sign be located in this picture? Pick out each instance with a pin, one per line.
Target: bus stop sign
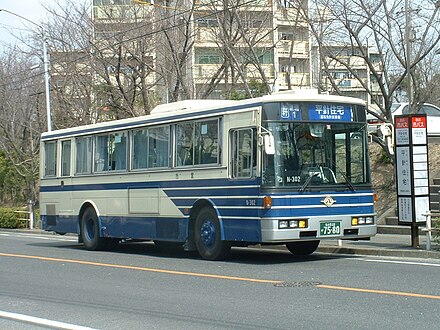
(412, 171)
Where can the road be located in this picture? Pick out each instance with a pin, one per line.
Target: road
(55, 279)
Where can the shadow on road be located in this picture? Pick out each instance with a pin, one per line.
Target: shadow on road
(249, 255)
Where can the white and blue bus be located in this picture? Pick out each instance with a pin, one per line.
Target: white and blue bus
(289, 168)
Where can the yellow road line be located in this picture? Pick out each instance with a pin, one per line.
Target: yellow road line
(392, 293)
(223, 277)
(146, 269)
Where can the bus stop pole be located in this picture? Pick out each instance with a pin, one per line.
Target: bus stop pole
(415, 243)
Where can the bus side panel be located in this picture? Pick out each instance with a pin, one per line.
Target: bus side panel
(60, 223)
(242, 230)
(140, 227)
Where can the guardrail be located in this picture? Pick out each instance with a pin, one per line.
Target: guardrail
(428, 229)
(27, 216)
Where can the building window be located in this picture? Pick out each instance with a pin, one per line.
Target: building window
(208, 56)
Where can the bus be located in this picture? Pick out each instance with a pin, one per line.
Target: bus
(288, 168)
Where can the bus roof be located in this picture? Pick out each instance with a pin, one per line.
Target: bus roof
(188, 109)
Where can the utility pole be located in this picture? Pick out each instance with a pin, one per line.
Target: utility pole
(408, 41)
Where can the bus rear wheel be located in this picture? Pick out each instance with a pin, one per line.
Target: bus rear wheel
(302, 248)
(90, 231)
(208, 236)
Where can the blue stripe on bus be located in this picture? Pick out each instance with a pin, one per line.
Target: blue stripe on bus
(60, 223)
(150, 228)
(169, 185)
(239, 203)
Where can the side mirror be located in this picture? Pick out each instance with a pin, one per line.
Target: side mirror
(269, 144)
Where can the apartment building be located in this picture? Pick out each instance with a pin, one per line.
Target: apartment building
(208, 48)
(343, 69)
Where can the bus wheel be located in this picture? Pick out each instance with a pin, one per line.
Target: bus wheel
(302, 248)
(90, 231)
(208, 236)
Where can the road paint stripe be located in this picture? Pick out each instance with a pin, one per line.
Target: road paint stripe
(40, 321)
(146, 269)
(392, 293)
(223, 277)
(48, 237)
(413, 263)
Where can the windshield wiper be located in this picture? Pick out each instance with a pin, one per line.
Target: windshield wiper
(347, 181)
(308, 180)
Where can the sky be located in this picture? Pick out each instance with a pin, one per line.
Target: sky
(10, 25)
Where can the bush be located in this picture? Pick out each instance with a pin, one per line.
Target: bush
(9, 219)
(436, 233)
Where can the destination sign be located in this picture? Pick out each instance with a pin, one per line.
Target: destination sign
(330, 112)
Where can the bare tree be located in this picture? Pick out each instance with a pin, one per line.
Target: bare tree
(363, 26)
(240, 35)
(21, 119)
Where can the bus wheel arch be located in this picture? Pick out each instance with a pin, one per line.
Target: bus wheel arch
(197, 207)
(207, 233)
(90, 229)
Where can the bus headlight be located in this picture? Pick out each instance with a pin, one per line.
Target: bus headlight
(359, 221)
(285, 224)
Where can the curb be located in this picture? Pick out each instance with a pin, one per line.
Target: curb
(421, 254)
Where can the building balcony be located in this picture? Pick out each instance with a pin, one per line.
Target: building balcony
(204, 72)
(300, 48)
(296, 79)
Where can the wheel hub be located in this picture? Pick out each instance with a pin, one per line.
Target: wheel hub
(208, 233)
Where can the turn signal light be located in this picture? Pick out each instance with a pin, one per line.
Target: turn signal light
(357, 221)
(267, 201)
(285, 224)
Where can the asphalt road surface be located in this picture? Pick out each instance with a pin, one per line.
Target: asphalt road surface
(49, 281)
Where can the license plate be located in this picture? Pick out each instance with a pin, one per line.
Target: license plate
(330, 228)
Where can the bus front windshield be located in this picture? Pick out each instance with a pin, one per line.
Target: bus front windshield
(308, 155)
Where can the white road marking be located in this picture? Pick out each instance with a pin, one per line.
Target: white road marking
(40, 321)
(413, 263)
(36, 236)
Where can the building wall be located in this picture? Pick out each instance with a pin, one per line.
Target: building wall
(275, 50)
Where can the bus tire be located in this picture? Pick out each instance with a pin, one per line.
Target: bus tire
(302, 248)
(208, 236)
(90, 231)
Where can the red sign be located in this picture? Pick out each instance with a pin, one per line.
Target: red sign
(418, 122)
(401, 122)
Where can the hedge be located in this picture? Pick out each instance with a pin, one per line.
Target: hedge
(10, 219)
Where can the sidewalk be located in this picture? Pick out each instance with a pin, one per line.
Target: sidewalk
(385, 245)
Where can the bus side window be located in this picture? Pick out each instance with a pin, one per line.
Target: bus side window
(206, 142)
(158, 147)
(50, 158)
(118, 158)
(83, 155)
(65, 158)
(101, 153)
(243, 153)
(184, 144)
